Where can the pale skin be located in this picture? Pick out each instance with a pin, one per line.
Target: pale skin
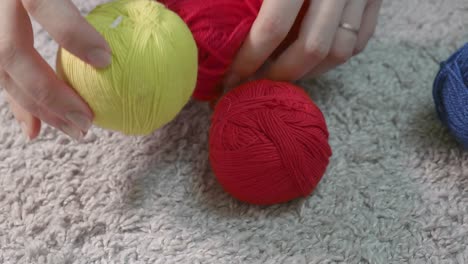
(35, 93)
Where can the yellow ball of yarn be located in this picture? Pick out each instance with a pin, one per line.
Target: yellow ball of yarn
(153, 72)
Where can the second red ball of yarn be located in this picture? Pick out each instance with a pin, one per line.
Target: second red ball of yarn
(268, 143)
(219, 28)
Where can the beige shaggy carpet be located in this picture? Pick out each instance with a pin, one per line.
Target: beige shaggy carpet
(396, 190)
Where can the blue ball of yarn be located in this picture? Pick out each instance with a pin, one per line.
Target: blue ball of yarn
(450, 94)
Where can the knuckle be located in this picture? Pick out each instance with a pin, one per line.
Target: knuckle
(274, 28)
(33, 6)
(65, 35)
(64, 32)
(316, 50)
(341, 55)
(44, 96)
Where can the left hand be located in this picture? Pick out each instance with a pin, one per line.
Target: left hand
(330, 33)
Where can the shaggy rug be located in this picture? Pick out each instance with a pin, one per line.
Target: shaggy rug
(396, 190)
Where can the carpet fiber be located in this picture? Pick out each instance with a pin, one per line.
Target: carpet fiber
(396, 190)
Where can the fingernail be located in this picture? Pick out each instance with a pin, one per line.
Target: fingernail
(24, 128)
(99, 58)
(79, 120)
(230, 81)
(72, 132)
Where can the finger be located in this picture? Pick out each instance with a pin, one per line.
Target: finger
(29, 124)
(271, 27)
(314, 42)
(345, 40)
(22, 106)
(24, 102)
(368, 25)
(65, 24)
(40, 86)
(293, 33)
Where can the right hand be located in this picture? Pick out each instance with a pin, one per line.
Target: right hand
(34, 91)
(308, 35)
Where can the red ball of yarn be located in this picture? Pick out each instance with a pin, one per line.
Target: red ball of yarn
(219, 28)
(268, 143)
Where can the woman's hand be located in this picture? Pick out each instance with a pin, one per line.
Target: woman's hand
(33, 89)
(330, 33)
